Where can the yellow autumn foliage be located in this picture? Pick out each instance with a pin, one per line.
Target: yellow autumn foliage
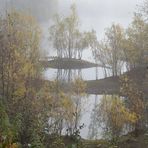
(114, 114)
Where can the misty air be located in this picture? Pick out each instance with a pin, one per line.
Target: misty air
(73, 74)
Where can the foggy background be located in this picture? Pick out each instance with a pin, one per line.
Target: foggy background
(93, 14)
(42, 10)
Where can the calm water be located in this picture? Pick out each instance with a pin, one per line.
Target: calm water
(87, 115)
(87, 74)
(88, 101)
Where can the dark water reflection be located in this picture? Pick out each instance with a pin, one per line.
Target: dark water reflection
(89, 101)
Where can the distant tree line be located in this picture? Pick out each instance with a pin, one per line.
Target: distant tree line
(67, 39)
(120, 49)
(123, 48)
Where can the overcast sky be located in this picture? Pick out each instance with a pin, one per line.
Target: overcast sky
(99, 14)
(93, 14)
(42, 10)
(96, 14)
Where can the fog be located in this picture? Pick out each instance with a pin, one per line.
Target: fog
(42, 10)
(96, 14)
(93, 14)
(99, 14)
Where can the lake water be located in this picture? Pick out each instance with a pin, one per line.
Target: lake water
(87, 74)
(88, 102)
(87, 116)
